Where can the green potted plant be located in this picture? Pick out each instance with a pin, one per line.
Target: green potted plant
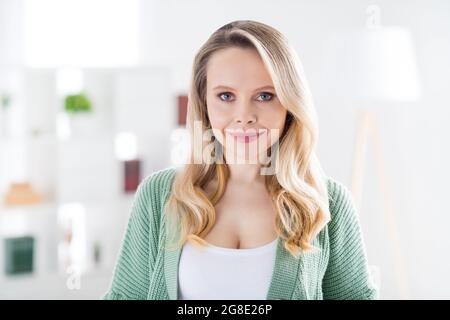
(79, 109)
(77, 103)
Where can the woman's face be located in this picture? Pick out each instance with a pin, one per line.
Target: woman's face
(244, 111)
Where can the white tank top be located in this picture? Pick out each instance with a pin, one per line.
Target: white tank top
(213, 273)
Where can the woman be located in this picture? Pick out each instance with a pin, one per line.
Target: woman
(251, 215)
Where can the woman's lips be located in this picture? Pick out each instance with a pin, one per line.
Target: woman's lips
(245, 137)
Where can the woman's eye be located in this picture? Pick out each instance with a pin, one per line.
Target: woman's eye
(225, 96)
(266, 96)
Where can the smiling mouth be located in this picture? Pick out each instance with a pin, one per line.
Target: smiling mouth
(243, 137)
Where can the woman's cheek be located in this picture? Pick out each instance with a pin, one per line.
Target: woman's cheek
(275, 118)
(217, 118)
(217, 123)
(275, 124)
(281, 113)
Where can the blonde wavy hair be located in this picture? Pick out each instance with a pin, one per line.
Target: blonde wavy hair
(298, 188)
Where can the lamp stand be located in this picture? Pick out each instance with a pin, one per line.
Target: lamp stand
(366, 129)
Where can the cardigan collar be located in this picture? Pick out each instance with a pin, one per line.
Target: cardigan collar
(288, 274)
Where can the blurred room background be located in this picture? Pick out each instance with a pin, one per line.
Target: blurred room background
(93, 98)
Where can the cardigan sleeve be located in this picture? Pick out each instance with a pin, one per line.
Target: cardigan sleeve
(132, 272)
(347, 275)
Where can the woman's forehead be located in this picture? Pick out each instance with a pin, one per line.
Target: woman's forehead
(238, 69)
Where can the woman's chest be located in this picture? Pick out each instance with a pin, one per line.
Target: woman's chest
(244, 219)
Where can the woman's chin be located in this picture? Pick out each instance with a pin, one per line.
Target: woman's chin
(245, 158)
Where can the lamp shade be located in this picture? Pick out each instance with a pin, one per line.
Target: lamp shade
(373, 65)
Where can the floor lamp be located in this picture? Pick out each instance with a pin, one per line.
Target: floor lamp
(380, 68)
(367, 135)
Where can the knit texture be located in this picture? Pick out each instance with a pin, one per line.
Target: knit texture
(338, 271)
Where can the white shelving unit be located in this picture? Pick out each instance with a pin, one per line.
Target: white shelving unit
(83, 170)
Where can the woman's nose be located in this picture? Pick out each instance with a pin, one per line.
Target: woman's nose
(245, 115)
(246, 120)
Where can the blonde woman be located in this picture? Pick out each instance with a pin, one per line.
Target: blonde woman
(251, 215)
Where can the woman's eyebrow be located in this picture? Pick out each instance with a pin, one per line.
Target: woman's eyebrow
(230, 88)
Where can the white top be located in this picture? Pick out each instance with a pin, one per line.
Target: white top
(212, 272)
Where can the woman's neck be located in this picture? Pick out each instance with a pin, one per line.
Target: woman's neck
(245, 173)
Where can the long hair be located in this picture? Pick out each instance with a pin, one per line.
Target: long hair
(298, 188)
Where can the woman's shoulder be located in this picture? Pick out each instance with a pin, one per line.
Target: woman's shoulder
(154, 189)
(337, 191)
(159, 181)
(341, 202)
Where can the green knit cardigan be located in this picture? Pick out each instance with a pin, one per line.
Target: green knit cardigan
(339, 270)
